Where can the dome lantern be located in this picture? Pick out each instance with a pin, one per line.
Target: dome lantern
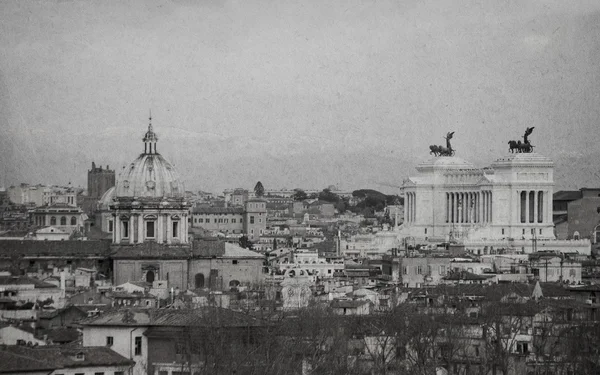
(150, 139)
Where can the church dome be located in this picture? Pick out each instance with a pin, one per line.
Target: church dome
(106, 200)
(150, 175)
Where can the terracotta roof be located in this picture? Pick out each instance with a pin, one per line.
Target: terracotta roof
(17, 358)
(208, 248)
(465, 275)
(235, 251)
(218, 210)
(206, 316)
(11, 248)
(151, 250)
(24, 280)
(60, 335)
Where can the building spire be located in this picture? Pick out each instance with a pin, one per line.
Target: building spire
(150, 138)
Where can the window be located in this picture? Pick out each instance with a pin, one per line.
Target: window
(150, 229)
(523, 230)
(442, 270)
(233, 221)
(53, 220)
(540, 230)
(201, 220)
(419, 270)
(175, 229)
(241, 220)
(109, 340)
(476, 350)
(425, 230)
(110, 226)
(119, 373)
(234, 261)
(502, 230)
(138, 345)
(125, 225)
(98, 373)
(405, 270)
(63, 220)
(522, 348)
(260, 220)
(251, 219)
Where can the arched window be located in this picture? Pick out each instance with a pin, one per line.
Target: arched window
(576, 235)
(63, 220)
(199, 280)
(234, 283)
(150, 276)
(73, 220)
(53, 220)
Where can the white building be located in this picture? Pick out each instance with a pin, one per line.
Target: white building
(507, 205)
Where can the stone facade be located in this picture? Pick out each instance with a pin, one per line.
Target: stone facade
(452, 199)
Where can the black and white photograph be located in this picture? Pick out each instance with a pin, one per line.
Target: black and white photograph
(286, 187)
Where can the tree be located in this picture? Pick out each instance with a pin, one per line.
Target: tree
(259, 189)
(299, 195)
(244, 242)
(328, 196)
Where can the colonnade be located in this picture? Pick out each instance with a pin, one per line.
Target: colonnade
(469, 207)
(161, 228)
(531, 206)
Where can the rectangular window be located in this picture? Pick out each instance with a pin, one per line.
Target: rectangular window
(241, 220)
(405, 270)
(251, 219)
(138, 345)
(109, 341)
(234, 261)
(419, 270)
(201, 220)
(442, 270)
(150, 229)
(110, 226)
(233, 221)
(125, 229)
(522, 348)
(502, 230)
(98, 373)
(175, 229)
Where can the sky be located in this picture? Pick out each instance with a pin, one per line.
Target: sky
(296, 93)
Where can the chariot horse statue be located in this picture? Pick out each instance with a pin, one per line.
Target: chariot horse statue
(439, 150)
(526, 146)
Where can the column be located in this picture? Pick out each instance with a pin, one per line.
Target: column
(548, 207)
(456, 210)
(535, 206)
(491, 207)
(140, 225)
(447, 208)
(186, 225)
(526, 206)
(159, 228)
(131, 225)
(117, 229)
(463, 204)
(169, 237)
(540, 214)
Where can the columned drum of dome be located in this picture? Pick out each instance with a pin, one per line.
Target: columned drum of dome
(148, 200)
